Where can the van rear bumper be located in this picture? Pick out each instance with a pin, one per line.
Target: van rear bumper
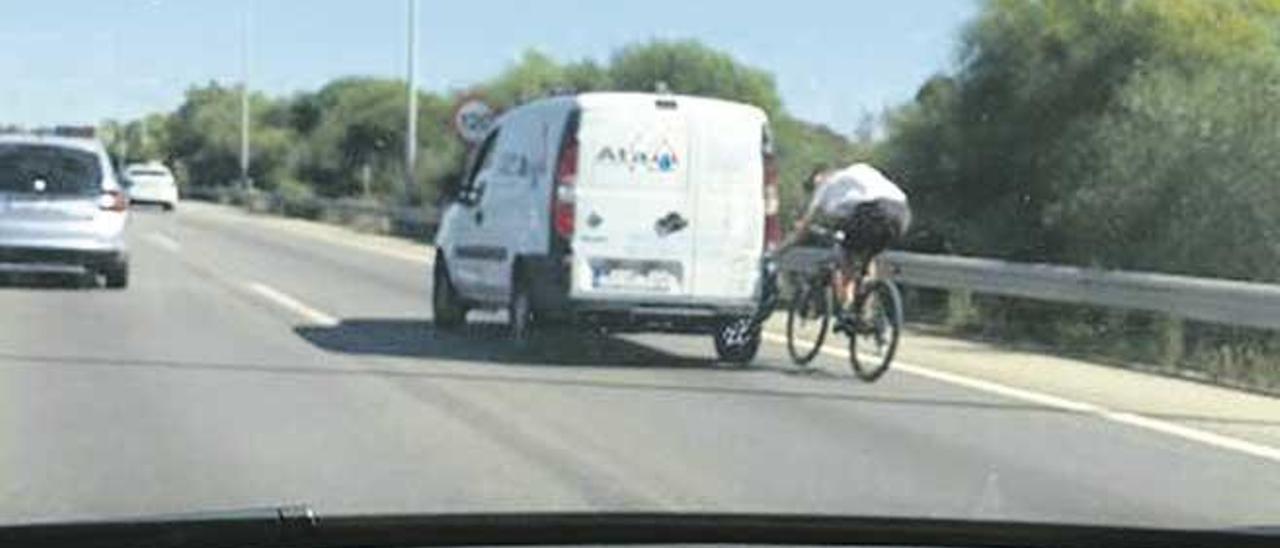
(550, 293)
(654, 317)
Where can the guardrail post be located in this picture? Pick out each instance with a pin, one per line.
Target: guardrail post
(1171, 333)
(959, 307)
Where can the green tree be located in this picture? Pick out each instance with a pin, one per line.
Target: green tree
(999, 155)
(800, 146)
(357, 122)
(326, 141)
(203, 137)
(689, 67)
(1201, 198)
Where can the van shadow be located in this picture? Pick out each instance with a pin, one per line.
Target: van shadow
(487, 343)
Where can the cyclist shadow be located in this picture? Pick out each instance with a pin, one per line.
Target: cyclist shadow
(815, 373)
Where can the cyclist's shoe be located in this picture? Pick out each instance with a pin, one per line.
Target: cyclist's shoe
(846, 325)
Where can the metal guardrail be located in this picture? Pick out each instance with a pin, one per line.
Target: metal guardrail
(1210, 300)
(1225, 302)
(399, 219)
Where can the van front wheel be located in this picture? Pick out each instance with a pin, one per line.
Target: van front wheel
(446, 307)
(737, 341)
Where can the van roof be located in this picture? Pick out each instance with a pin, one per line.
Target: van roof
(624, 99)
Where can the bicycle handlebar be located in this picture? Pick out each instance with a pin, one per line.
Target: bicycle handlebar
(835, 235)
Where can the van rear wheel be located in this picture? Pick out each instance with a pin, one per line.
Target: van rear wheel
(737, 341)
(520, 313)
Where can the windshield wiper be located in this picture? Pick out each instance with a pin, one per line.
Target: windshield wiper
(300, 527)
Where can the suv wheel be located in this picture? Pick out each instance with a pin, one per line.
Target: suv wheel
(117, 277)
(446, 306)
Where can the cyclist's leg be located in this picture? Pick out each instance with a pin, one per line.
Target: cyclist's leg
(846, 275)
(877, 227)
(858, 227)
(891, 221)
(849, 277)
(844, 279)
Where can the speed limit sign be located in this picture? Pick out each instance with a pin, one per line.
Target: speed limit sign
(472, 119)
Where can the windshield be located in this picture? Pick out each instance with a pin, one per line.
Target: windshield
(47, 170)
(1007, 260)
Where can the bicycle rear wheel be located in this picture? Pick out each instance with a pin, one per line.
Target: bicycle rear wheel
(807, 321)
(875, 340)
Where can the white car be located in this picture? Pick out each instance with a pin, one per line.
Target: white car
(617, 211)
(152, 183)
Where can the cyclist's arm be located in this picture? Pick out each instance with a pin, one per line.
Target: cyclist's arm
(806, 221)
(801, 228)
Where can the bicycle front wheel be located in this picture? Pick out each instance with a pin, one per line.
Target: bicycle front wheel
(875, 338)
(807, 321)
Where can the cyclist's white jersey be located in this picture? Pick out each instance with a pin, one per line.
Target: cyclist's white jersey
(859, 183)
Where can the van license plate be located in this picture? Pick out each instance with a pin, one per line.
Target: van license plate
(663, 277)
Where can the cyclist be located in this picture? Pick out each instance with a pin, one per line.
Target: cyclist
(864, 204)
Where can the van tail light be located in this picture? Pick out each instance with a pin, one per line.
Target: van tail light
(772, 204)
(113, 200)
(562, 196)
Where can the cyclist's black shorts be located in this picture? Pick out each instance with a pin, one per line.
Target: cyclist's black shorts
(873, 227)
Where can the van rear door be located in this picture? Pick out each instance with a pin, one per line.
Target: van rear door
(634, 205)
(727, 170)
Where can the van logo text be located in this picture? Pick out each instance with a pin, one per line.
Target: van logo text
(662, 160)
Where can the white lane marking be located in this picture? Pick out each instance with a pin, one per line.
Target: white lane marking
(1202, 436)
(164, 242)
(1132, 419)
(291, 304)
(1001, 389)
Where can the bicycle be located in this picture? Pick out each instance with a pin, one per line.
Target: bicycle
(873, 321)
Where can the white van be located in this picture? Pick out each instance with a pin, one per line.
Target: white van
(616, 211)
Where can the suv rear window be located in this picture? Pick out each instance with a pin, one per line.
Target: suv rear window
(63, 170)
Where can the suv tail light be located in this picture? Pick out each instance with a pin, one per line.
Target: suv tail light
(562, 195)
(113, 200)
(772, 201)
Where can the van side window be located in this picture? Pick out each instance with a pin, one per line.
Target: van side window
(481, 161)
(508, 159)
(487, 152)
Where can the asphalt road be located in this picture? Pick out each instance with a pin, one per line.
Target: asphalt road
(249, 366)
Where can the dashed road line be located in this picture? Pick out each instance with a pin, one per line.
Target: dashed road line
(164, 242)
(291, 304)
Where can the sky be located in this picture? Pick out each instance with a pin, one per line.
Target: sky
(82, 61)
